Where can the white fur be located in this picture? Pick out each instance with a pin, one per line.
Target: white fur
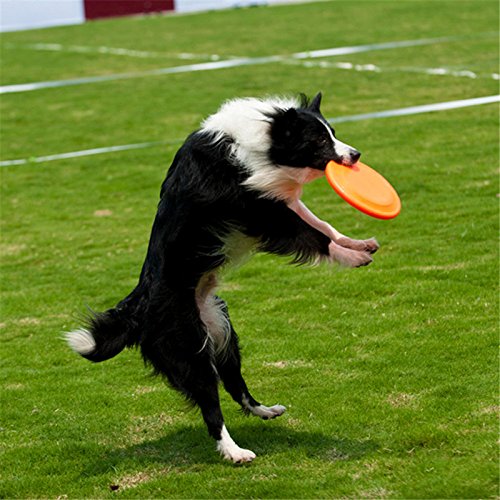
(216, 322)
(231, 451)
(247, 122)
(283, 183)
(342, 149)
(211, 313)
(268, 412)
(237, 247)
(262, 411)
(81, 341)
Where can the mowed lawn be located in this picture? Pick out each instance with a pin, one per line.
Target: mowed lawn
(389, 373)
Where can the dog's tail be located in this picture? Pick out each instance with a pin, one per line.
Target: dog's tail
(105, 335)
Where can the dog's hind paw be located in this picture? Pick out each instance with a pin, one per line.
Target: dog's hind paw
(268, 413)
(239, 456)
(231, 451)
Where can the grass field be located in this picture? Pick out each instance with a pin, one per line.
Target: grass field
(389, 373)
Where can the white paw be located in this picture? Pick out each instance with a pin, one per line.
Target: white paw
(268, 413)
(231, 451)
(238, 455)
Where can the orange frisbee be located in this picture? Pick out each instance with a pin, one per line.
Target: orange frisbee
(364, 189)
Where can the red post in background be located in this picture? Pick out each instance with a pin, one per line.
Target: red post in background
(95, 9)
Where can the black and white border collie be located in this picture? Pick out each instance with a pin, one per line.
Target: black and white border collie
(234, 187)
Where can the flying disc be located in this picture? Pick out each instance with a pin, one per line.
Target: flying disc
(364, 189)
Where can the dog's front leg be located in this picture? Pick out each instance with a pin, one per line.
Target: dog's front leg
(370, 246)
(282, 231)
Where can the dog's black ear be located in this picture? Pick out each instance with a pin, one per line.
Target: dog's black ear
(290, 114)
(285, 117)
(316, 102)
(284, 124)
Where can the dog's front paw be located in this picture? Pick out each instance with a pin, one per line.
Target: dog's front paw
(370, 246)
(348, 257)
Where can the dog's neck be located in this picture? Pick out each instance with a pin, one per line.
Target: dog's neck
(281, 182)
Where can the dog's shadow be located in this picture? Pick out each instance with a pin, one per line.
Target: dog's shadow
(191, 445)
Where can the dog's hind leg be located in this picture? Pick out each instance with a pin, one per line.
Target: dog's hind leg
(230, 372)
(229, 369)
(186, 359)
(208, 402)
(206, 395)
(200, 385)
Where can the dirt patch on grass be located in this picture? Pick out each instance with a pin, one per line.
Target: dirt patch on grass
(29, 322)
(375, 493)
(490, 410)
(293, 363)
(14, 387)
(133, 480)
(145, 389)
(11, 250)
(402, 400)
(103, 213)
(149, 427)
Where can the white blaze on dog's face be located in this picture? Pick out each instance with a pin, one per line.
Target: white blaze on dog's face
(344, 154)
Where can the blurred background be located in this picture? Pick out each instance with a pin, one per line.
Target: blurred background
(28, 14)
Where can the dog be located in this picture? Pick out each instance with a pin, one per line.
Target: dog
(234, 187)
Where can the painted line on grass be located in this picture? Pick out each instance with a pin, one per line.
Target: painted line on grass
(115, 51)
(415, 110)
(188, 68)
(231, 63)
(462, 73)
(412, 110)
(85, 152)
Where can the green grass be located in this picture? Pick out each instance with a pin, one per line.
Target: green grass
(389, 373)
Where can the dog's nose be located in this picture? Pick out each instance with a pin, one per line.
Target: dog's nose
(355, 155)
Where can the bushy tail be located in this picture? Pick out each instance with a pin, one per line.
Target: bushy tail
(105, 336)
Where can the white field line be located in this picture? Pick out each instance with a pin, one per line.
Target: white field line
(115, 51)
(413, 110)
(230, 63)
(85, 152)
(462, 73)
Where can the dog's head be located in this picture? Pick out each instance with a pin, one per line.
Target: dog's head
(301, 137)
